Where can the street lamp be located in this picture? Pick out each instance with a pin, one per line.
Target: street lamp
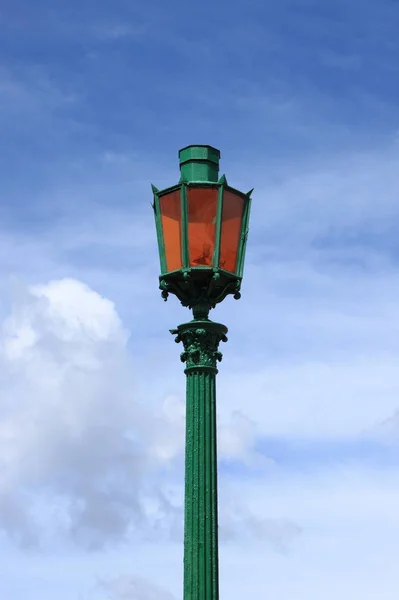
(202, 228)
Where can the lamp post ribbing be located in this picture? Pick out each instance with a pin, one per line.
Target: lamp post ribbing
(201, 340)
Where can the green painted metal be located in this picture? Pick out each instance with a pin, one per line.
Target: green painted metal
(200, 288)
(199, 163)
(244, 235)
(201, 338)
(158, 225)
(184, 227)
(216, 256)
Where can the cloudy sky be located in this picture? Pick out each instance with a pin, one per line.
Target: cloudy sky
(96, 98)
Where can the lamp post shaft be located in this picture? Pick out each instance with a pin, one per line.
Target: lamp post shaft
(201, 340)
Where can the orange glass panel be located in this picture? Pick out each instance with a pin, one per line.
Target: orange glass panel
(202, 203)
(232, 213)
(170, 205)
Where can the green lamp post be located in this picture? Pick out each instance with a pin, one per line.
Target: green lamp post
(202, 228)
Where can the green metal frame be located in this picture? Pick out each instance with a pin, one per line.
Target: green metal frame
(216, 257)
(158, 225)
(199, 286)
(184, 226)
(244, 235)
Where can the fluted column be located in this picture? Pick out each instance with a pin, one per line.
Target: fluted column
(201, 340)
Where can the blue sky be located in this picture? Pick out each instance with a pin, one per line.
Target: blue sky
(96, 99)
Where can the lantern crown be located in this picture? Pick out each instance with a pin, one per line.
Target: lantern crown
(202, 227)
(199, 163)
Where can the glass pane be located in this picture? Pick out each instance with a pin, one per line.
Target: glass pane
(170, 205)
(232, 213)
(202, 203)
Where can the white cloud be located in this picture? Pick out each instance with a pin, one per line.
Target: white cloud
(322, 530)
(29, 92)
(317, 399)
(80, 449)
(134, 588)
(117, 31)
(73, 429)
(348, 542)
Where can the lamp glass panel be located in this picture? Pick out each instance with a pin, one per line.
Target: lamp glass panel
(232, 215)
(202, 208)
(170, 206)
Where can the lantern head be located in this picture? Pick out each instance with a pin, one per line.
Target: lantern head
(202, 228)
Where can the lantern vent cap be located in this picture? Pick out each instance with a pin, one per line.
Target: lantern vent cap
(199, 163)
